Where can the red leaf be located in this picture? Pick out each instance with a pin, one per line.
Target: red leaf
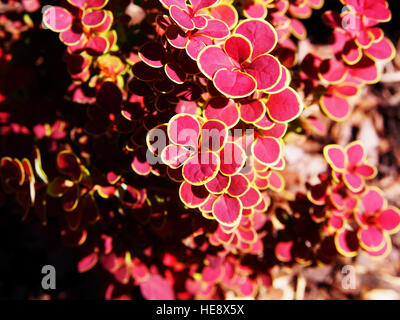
(347, 243)
(382, 50)
(219, 184)
(389, 220)
(201, 168)
(284, 106)
(267, 150)
(226, 13)
(239, 185)
(234, 84)
(212, 59)
(335, 156)
(181, 17)
(238, 48)
(157, 288)
(373, 200)
(94, 18)
(261, 35)
(224, 109)
(88, 262)
(266, 70)
(283, 251)
(335, 107)
(69, 164)
(227, 210)
(152, 53)
(57, 19)
(233, 158)
(193, 196)
(184, 130)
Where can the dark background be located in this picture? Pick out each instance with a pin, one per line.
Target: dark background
(26, 247)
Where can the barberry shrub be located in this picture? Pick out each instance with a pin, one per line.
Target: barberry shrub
(163, 159)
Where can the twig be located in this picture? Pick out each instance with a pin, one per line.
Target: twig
(300, 287)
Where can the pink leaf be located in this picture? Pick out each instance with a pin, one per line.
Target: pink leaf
(157, 288)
